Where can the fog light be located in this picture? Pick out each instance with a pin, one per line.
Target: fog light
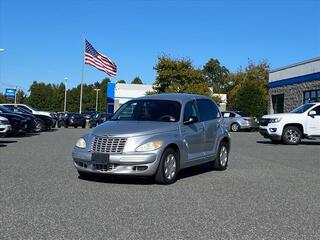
(272, 129)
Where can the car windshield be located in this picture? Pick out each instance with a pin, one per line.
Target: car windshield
(302, 108)
(149, 110)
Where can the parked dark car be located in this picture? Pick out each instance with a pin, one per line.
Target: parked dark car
(88, 115)
(42, 122)
(31, 120)
(18, 123)
(72, 119)
(98, 119)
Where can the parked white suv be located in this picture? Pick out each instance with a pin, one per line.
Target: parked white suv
(302, 122)
(29, 109)
(5, 127)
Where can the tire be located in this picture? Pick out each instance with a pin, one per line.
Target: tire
(168, 167)
(75, 126)
(59, 125)
(83, 125)
(39, 126)
(235, 127)
(66, 125)
(221, 161)
(291, 135)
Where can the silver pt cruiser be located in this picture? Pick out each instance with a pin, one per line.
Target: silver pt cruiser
(155, 135)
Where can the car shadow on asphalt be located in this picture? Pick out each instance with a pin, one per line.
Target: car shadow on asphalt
(134, 180)
(4, 143)
(119, 179)
(196, 170)
(302, 143)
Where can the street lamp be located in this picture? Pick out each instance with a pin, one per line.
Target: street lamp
(1, 50)
(65, 94)
(97, 93)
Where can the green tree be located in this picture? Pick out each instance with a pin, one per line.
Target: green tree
(121, 81)
(250, 99)
(251, 84)
(2, 98)
(136, 80)
(216, 75)
(21, 96)
(179, 75)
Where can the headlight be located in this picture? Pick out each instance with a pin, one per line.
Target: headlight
(4, 122)
(81, 143)
(150, 146)
(274, 120)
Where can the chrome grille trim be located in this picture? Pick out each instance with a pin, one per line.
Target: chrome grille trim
(108, 144)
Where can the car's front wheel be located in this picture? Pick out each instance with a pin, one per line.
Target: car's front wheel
(291, 135)
(168, 167)
(39, 126)
(221, 161)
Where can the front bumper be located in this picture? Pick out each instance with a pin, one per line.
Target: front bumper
(5, 129)
(144, 164)
(270, 132)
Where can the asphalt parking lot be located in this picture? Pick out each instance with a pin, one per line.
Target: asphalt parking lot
(269, 191)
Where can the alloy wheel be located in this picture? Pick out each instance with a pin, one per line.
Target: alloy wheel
(170, 166)
(223, 156)
(292, 136)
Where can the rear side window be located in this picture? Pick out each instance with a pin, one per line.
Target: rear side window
(207, 110)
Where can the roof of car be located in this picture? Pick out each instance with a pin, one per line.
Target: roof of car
(181, 97)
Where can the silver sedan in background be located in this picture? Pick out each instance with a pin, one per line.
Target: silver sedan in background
(155, 135)
(235, 121)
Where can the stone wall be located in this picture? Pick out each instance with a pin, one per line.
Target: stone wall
(293, 94)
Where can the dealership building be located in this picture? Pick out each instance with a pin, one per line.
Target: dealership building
(119, 93)
(293, 85)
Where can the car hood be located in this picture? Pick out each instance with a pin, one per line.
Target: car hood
(281, 115)
(133, 128)
(42, 113)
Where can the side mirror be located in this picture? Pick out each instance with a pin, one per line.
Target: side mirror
(312, 113)
(190, 120)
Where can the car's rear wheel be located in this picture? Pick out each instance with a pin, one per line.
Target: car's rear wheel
(235, 127)
(221, 161)
(168, 167)
(291, 135)
(66, 125)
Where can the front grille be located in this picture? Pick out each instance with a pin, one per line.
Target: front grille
(105, 167)
(108, 144)
(264, 121)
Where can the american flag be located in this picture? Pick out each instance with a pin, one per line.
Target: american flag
(101, 62)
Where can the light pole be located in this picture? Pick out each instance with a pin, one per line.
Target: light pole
(65, 94)
(97, 94)
(1, 50)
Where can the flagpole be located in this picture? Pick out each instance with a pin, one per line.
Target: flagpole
(82, 74)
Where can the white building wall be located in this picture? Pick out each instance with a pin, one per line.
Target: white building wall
(125, 92)
(300, 69)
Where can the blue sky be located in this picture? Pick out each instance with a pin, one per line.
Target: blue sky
(43, 40)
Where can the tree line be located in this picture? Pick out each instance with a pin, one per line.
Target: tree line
(246, 88)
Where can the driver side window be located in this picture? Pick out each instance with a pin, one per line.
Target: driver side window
(190, 110)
